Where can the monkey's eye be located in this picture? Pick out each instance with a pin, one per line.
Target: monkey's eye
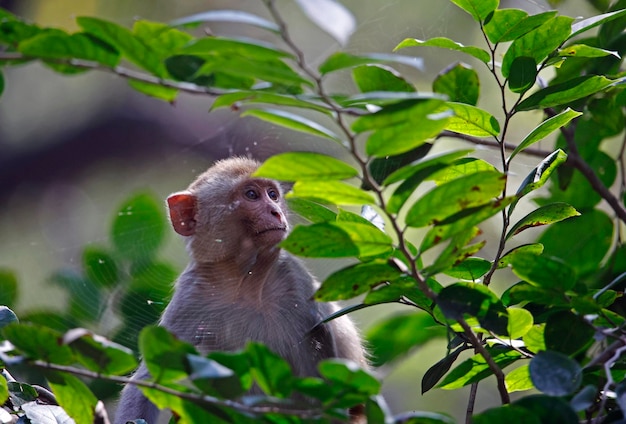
(252, 194)
(273, 194)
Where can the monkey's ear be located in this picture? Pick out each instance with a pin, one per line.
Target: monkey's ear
(182, 207)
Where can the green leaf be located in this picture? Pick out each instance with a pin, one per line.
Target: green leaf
(567, 333)
(532, 249)
(594, 21)
(548, 409)
(337, 240)
(7, 316)
(341, 60)
(124, 41)
(509, 414)
(470, 269)
(443, 158)
(8, 287)
(157, 91)
(399, 99)
(456, 252)
(544, 271)
(581, 242)
(519, 380)
(523, 74)
(164, 355)
(471, 120)
(520, 322)
(233, 16)
(380, 78)
(475, 368)
(584, 399)
(583, 50)
(437, 371)
(548, 214)
(213, 378)
(538, 43)
(65, 46)
(292, 121)
(1, 83)
(539, 176)
(381, 168)
(305, 166)
(333, 192)
(99, 354)
(546, 127)
(454, 196)
(446, 43)
(510, 24)
(555, 374)
(356, 279)
(251, 97)
(139, 227)
(460, 168)
(73, 396)
(479, 9)
(311, 211)
(38, 342)
(459, 82)
(396, 336)
(4, 389)
(534, 340)
(271, 372)
(348, 375)
(100, 266)
(566, 92)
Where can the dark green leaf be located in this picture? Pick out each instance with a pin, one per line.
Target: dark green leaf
(380, 78)
(213, 378)
(331, 192)
(509, 24)
(424, 417)
(1, 83)
(304, 166)
(381, 168)
(581, 242)
(509, 414)
(234, 16)
(567, 333)
(74, 396)
(585, 398)
(523, 74)
(437, 371)
(38, 342)
(522, 293)
(341, 60)
(250, 97)
(271, 372)
(454, 196)
(538, 43)
(99, 354)
(544, 271)
(100, 266)
(546, 127)
(475, 368)
(123, 40)
(479, 9)
(470, 120)
(548, 214)
(337, 240)
(65, 46)
(347, 374)
(397, 335)
(292, 121)
(8, 287)
(164, 355)
(446, 43)
(355, 280)
(7, 316)
(566, 92)
(555, 374)
(548, 409)
(459, 82)
(470, 269)
(139, 227)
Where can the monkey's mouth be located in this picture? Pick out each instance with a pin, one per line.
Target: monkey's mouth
(268, 230)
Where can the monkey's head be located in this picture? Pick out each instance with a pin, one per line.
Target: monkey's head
(226, 212)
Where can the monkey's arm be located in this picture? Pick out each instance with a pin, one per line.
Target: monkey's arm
(133, 404)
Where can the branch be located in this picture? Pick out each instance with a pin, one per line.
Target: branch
(194, 397)
(482, 142)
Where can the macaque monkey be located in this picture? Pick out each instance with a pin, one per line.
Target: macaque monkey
(239, 285)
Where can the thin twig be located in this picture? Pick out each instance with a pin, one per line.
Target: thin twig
(483, 142)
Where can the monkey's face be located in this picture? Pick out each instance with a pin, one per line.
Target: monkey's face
(258, 203)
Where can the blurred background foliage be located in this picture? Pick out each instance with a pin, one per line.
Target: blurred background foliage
(78, 154)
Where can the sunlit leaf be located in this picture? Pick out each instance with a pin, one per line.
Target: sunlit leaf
(354, 280)
(519, 380)
(292, 122)
(583, 50)
(446, 43)
(331, 16)
(302, 166)
(331, 192)
(78, 46)
(157, 91)
(73, 395)
(222, 46)
(555, 374)
(533, 249)
(548, 214)
(594, 21)
(460, 168)
(8, 287)
(337, 240)
(566, 92)
(470, 269)
(38, 342)
(538, 43)
(341, 60)
(470, 120)
(251, 97)
(311, 211)
(520, 322)
(454, 196)
(509, 24)
(479, 9)
(271, 372)
(475, 368)
(99, 354)
(375, 77)
(164, 355)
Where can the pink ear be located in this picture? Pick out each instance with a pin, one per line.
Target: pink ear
(182, 206)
